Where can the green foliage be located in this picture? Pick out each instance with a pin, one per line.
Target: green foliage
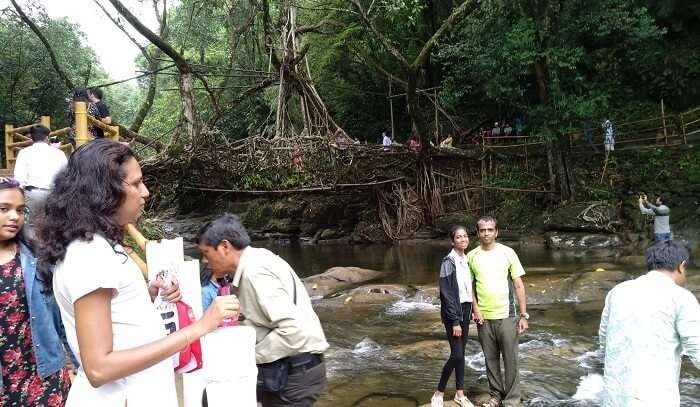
(30, 87)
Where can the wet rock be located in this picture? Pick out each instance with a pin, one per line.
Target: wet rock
(548, 289)
(376, 294)
(639, 261)
(579, 218)
(368, 232)
(337, 279)
(594, 286)
(428, 349)
(560, 240)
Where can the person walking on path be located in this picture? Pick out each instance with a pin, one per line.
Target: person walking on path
(106, 306)
(497, 274)
(95, 95)
(662, 216)
(456, 298)
(32, 358)
(35, 169)
(588, 133)
(646, 325)
(289, 337)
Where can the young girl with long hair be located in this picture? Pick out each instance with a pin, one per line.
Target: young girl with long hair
(31, 353)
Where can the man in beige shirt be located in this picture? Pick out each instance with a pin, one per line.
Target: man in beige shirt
(276, 304)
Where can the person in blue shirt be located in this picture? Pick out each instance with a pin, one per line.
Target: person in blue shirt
(32, 357)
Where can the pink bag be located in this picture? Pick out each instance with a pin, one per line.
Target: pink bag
(190, 359)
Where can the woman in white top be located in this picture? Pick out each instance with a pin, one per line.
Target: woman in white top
(456, 300)
(105, 304)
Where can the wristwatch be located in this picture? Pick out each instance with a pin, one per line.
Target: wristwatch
(525, 315)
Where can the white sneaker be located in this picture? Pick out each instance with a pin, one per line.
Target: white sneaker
(436, 401)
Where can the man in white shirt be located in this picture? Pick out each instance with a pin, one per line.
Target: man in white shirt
(35, 169)
(647, 323)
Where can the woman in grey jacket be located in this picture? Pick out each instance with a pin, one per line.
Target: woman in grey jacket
(456, 300)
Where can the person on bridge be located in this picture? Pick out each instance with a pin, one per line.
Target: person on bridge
(609, 134)
(497, 275)
(289, 337)
(95, 95)
(646, 325)
(32, 358)
(456, 299)
(81, 95)
(35, 169)
(105, 303)
(662, 216)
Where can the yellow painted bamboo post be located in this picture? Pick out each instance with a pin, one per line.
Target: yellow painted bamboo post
(9, 138)
(115, 135)
(81, 124)
(141, 243)
(45, 121)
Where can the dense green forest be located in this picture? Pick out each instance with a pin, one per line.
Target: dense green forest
(553, 63)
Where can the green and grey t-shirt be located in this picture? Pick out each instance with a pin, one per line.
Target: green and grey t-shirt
(494, 271)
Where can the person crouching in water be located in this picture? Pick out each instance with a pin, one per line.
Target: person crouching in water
(456, 299)
(32, 359)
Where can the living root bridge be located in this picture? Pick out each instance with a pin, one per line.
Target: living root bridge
(332, 188)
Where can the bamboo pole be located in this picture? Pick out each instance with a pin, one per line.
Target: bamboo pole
(437, 125)
(8, 149)
(81, 124)
(391, 111)
(141, 243)
(663, 120)
(45, 121)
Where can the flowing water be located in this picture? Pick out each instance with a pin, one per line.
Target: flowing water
(392, 355)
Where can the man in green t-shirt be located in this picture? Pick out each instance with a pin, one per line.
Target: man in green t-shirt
(497, 275)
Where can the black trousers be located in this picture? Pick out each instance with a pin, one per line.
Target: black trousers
(303, 388)
(457, 345)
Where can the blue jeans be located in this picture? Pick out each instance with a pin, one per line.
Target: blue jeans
(660, 237)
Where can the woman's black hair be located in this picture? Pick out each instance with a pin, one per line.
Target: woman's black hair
(456, 228)
(84, 202)
(21, 236)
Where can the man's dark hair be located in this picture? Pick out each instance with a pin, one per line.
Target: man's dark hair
(96, 92)
(486, 219)
(226, 227)
(667, 255)
(80, 95)
(39, 133)
(664, 199)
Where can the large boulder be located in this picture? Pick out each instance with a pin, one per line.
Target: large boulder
(577, 240)
(583, 217)
(337, 279)
(594, 285)
(548, 289)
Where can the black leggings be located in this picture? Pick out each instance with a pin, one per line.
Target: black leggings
(457, 345)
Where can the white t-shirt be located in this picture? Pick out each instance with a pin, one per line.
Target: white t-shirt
(38, 164)
(464, 277)
(91, 265)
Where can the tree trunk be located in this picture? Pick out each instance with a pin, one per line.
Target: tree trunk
(541, 76)
(150, 96)
(189, 110)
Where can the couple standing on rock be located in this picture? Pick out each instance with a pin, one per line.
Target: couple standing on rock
(483, 285)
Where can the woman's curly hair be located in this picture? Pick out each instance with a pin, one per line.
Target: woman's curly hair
(84, 201)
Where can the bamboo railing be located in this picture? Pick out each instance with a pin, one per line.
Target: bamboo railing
(16, 139)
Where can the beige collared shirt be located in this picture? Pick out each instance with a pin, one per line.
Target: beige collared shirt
(266, 292)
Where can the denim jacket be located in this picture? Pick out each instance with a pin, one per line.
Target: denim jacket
(45, 320)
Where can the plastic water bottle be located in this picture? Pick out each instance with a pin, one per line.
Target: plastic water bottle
(225, 289)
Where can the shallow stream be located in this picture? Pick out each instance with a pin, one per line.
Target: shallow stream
(391, 355)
